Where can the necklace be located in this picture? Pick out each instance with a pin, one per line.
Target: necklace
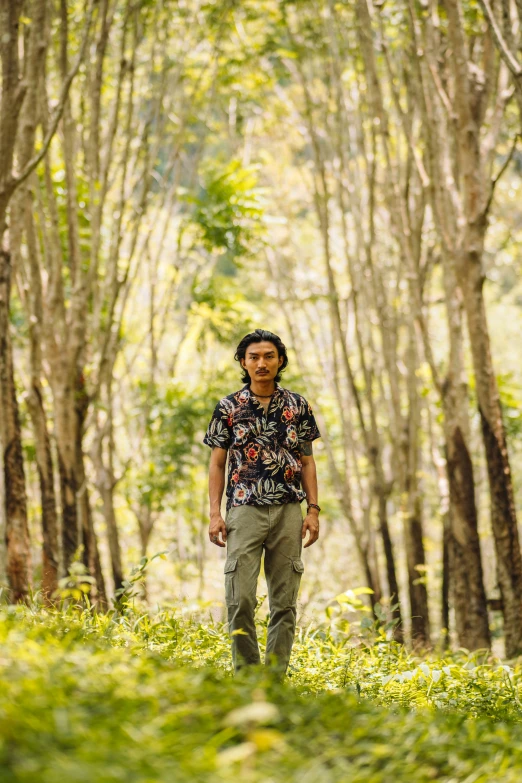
(263, 396)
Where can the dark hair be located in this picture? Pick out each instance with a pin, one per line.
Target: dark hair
(261, 336)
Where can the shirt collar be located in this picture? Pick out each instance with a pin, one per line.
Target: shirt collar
(278, 390)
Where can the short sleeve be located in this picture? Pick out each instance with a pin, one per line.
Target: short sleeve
(308, 429)
(218, 430)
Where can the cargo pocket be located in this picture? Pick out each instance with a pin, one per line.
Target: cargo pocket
(231, 582)
(297, 572)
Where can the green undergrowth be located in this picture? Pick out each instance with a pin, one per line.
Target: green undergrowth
(141, 697)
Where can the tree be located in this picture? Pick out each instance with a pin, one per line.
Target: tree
(21, 59)
(460, 162)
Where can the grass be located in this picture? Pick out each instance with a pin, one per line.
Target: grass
(134, 697)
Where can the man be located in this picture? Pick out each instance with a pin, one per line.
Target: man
(267, 432)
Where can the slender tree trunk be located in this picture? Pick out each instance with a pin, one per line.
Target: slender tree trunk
(475, 188)
(146, 525)
(35, 404)
(503, 513)
(50, 550)
(372, 559)
(22, 218)
(105, 489)
(17, 529)
(416, 562)
(30, 285)
(13, 92)
(105, 483)
(91, 555)
(3, 521)
(446, 581)
(66, 437)
(391, 572)
(415, 555)
(469, 597)
(463, 546)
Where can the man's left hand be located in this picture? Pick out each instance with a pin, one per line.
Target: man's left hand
(310, 524)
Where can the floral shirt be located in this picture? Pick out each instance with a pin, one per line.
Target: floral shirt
(264, 465)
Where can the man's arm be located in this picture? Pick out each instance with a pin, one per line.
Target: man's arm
(216, 485)
(309, 481)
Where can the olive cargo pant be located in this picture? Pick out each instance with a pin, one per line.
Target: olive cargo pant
(277, 530)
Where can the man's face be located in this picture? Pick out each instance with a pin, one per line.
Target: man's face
(262, 361)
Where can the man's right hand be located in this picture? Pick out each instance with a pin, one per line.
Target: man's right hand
(217, 526)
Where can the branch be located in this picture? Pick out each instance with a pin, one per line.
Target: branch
(501, 172)
(441, 92)
(36, 159)
(424, 177)
(505, 52)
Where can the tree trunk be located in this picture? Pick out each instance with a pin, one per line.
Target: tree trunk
(91, 555)
(462, 538)
(50, 551)
(475, 187)
(503, 513)
(146, 525)
(35, 404)
(391, 572)
(105, 483)
(463, 575)
(22, 218)
(416, 561)
(17, 529)
(65, 433)
(413, 535)
(27, 268)
(105, 489)
(446, 582)
(469, 596)
(3, 520)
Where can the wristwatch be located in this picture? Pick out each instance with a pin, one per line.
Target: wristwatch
(313, 505)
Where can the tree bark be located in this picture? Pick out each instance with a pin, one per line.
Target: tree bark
(17, 529)
(91, 555)
(412, 505)
(446, 582)
(475, 203)
(105, 484)
(50, 548)
(467, 583)
(35, 404)
(463, 575)
(145, 526)
(30, 281)
(503, 513)
(465, 561)
(66, 440)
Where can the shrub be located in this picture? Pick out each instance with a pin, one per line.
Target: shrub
(132, 697)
